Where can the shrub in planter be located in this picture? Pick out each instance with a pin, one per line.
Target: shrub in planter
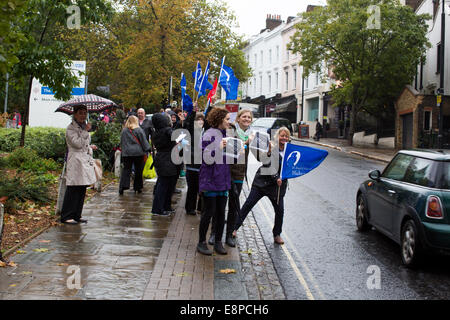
(47, 142)
(26, 159)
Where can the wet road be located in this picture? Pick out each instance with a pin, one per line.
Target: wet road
(325, 257)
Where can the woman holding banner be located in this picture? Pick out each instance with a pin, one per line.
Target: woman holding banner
(214, 179)
(267, 183)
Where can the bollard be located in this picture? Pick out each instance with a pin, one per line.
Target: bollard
(2, 212)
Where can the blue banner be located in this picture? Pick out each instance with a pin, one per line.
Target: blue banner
(75, 91)
(299, 160)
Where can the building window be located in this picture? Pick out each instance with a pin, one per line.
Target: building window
(278, 53)
(427, 121)
(287, 54)
(262, 55)
(317, 79)
(256, 60)
(270, 83)
(307, 82)
(287, 80)
(313, 106)
(270, 56)
(295, 78)
(276, 81)
(260, 85)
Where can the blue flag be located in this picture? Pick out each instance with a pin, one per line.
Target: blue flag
(229, 82)
(299, 160)
(204, 84)
(186, 100)
(197, 76)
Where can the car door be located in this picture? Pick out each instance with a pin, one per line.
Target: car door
(382, 195)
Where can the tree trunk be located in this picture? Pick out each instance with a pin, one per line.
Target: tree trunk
(353, 114)
(27, 113)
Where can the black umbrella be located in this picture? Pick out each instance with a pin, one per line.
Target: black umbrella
(91, 101)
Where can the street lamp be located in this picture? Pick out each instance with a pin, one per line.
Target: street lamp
(441, 82)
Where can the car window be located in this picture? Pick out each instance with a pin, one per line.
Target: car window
(421, 172)
(261, 122)
(445, 180)
(397, 168)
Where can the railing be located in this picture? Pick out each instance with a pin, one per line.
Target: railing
(431, 141)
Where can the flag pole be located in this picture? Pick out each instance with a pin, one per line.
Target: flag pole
(203, 79)
(182, 96)
(195, 82)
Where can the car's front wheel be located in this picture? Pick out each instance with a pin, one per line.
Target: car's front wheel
(410, 246)
(361, 214)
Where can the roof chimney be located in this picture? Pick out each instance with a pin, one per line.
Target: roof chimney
(273, 21)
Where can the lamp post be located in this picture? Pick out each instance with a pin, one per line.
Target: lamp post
(441, 82)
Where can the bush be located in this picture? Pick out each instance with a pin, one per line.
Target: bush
(49, 143)
(23, 188)
(26, 159)
(106, 138)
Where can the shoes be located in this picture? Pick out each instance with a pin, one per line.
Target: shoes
(203, 249)
(278, 240)
(138, 191)
(82, 221)
(71, 221)
(191, 213)
(218, 247)
(164, 213)
(230, 241)
(212, 239)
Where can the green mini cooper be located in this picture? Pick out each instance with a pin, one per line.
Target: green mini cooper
(409, 202)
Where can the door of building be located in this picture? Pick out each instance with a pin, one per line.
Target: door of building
(407, 131)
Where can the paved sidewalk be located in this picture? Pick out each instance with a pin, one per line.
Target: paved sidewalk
(379, 154)
(125, 252)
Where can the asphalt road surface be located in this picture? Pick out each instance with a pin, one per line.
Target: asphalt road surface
(324, 256)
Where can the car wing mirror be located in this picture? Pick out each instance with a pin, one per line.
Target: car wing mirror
(375, 175)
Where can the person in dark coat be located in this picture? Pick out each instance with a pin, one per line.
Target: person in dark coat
(267, 183)
(134, 146)
(166, 170)
(194, 124)
(319, 130)
(214, 179)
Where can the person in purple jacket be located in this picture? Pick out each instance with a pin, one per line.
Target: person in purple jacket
(214, 179)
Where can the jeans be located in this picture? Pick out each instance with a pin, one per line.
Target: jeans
(214, 207)
(163, 194)
(255, 195)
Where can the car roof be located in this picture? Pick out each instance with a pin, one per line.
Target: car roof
(271, 118)
(432, 154)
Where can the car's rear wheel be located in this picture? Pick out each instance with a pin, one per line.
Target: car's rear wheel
(361, 214)
(410, 246)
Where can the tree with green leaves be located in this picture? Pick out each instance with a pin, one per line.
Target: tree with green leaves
(373, 56)
(44, 58)
(173, 36)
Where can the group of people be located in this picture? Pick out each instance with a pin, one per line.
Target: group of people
(212, 180)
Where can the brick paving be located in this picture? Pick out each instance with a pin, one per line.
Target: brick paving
(124, 252)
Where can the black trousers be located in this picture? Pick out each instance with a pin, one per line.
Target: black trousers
(164, 188)
(214, 207)
(233, 208)
(192, 197)
(73, 203)
(253, 198)
(128, 162)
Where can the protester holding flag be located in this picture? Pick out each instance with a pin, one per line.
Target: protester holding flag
(269, 185)
(214, 179)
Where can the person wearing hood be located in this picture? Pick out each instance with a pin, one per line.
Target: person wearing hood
(166, 170)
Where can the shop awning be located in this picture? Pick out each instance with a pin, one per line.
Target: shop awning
(290, 106)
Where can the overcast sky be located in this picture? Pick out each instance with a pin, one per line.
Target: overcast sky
(251, 14)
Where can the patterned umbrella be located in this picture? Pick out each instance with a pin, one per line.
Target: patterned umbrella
(91, 101)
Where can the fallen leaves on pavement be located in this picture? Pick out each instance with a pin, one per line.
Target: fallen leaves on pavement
(227, 271)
